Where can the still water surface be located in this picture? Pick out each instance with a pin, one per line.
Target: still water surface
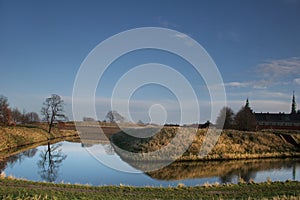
(69, 162)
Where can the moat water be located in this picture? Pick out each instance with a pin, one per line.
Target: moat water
(70, 162)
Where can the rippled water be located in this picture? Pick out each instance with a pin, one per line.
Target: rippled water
(70, 162)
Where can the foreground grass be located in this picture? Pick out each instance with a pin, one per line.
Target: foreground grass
(21, 189)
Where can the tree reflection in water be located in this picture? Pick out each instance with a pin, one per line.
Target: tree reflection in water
(227, 171)
(17, 158)
(109, 150)
(21, 156)
(50, 161)
(243, 173)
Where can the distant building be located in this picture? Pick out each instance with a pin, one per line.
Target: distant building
(290, 121)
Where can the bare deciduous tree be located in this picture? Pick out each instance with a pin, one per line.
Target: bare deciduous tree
(16, 116)
(53, 110)
(225, 119)
(5, 112)
(32, 117)
(114, 116)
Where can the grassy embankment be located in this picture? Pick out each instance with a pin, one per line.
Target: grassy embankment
(22, 189)
(231, 144)
(15, 137)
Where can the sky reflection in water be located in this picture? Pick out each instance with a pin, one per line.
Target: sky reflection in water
(76, 165)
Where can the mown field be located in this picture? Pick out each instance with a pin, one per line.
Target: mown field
(21, 189)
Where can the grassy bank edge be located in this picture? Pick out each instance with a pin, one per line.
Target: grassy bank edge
(23, 189)
(230, 145)
(19, 138)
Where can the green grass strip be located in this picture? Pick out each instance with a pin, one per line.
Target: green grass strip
(21, 189)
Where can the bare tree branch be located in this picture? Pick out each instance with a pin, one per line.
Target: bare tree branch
(53, 110)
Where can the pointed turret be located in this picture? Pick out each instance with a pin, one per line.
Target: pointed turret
(293, 110)
(247, 103)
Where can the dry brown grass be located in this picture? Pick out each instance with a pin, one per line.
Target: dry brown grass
(231, 144)
(239, 145)
(12, 137)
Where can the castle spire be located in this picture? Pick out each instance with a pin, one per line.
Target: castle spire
(293, 110)
(247, 103)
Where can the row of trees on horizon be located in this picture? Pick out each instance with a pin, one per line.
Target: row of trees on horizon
(52, 110)
(13, 116)
(243, 120)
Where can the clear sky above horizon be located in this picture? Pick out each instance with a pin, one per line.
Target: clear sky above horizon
(255, 45)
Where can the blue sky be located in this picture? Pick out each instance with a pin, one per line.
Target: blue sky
(255, 45)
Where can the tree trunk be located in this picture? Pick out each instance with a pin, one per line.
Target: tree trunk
(49, 151)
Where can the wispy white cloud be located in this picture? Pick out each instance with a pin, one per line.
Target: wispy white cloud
(280, 68)
(297, 81)
(259, 84)
(237, 84)
(181, 36)
(166, 23)
(272, 73)
(185, 38)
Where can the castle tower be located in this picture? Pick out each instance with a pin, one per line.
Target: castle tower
(293, 110)
(247, 103)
